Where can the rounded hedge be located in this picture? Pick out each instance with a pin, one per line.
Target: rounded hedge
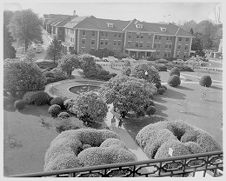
(19, 104)
(194, 147)
(54, 110)
(161, 90)
(205, 81)
(174, 81)
(105, 155)
(68, 103)
(63, 161)
(37, 98)
(151, 110)
(179, 149)
(113, 142)
(57, 100)
(175, 71)
(74, 142)
(63, 115)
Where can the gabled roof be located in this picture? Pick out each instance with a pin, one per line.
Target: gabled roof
(182, 32)
(63, 22)
(171, 29)
(74, 22)
(102, 24)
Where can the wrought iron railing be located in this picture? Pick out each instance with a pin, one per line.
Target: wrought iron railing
(184, 166)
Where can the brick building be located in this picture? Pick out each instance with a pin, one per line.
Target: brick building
(138, 39)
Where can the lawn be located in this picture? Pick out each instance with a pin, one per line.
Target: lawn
(26, 139)
(188, 103)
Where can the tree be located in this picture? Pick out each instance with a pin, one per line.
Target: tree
(21, 76)
(55, 50)
(25, 27)
(192, 31)
(68, 63)
(197, 44)
(90, 107)
(128, 94)
(9, 50)
(30, 55)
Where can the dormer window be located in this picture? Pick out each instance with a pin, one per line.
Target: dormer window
(163, 29)
(140, 26)
(110, 25)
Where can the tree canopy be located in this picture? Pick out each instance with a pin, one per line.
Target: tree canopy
(55, 50)
(25, 27)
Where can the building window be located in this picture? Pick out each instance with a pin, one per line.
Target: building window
(119, 42)
(141, 44)
(83, 32)
(137, 36)
(155, 46)
(115, 34)
(186, 47)
(83, 41)
(167, 38)
(141, 36)
(187, 39)
(129, 43)
(119, 35)
(106, 34)
(170, 46)
(178, 47)
(93, 33)
(101, 42)
(148, 45)
(139, 26)
(166, 46)
(115, 42)
(92, 42)
(165, 54)
(156, 37)
(102, 33)
(106, 42)
(160, 37)
(180, 39)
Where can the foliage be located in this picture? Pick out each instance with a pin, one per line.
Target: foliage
(54, 50)
(174, 71)
(63, 115)
(126, 71)
(20, 104)
(68, 63)
(30, 55)
(160, 67)
(151, 110)
(57, 100)
(20, 76)
(93, 70)
(128, 93)
(25, 27)
(63, 161)
(174, 81)
(152, 77)
(9, 50)
(162, 61)
(66, 123)
(72, 141)
(68, 103)
(46, 65)
(161, 90)
(54, 110)
(205, 81)
(54, 75)
(37, 98)
(113, 142)
(90, 107)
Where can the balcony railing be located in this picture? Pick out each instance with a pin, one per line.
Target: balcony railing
(204, 164)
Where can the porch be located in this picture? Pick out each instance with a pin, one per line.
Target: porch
(140, 54)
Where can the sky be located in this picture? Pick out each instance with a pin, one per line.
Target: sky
(141, 10)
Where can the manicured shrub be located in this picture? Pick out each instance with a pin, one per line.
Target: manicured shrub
(105, 155)
(179, 149)
(63, 161)
(161, 91)
(85, 146)
(193, 147)
(72, 142)
(68, 103)
(151, 110)
(126, 71)
(163, 86)
(160, 67)
(205, 81)
(174, 71)
(156, 139)
(63, 115)
(57, 100)
(161, 61)
(90, 107)
(37, 98)
(113, 142)
(54, 110)
(19, 104)
(63, 124)
(174, 81)
(48, 74)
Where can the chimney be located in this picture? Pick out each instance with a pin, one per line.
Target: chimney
(74, 13)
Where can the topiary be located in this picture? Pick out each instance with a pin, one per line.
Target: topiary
(85, 146)
(63, 115)
(63, 161)
(174, 71)
(174, 81)
(161, 90)
(57, 100)
(54, 110)
(19, 104)
(178, 149)
(151, 110)
(194, 147)
(37, 98)
(113, 142)
(205, 81)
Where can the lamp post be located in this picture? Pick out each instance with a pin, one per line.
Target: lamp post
(146, 74)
